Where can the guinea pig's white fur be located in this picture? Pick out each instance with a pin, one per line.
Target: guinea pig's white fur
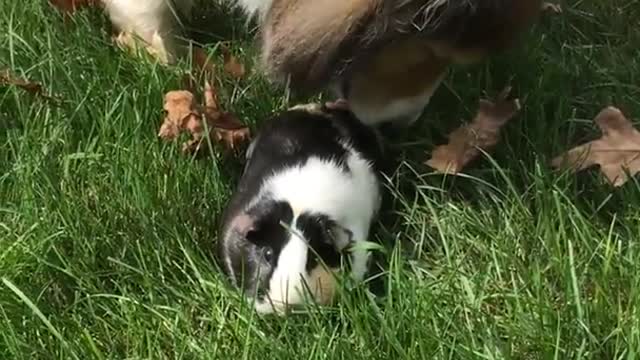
(320, 185)
(321, 167)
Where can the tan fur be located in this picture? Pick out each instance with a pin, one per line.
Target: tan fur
(386, 50)
(322, 284)
(402, 69)
(289, 27)
(311, 41)
(408, 71)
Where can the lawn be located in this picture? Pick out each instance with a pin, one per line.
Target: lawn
(106, 233)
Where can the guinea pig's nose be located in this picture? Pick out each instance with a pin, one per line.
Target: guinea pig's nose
(259, 268)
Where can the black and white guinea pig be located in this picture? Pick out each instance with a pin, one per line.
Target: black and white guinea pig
(310, 189)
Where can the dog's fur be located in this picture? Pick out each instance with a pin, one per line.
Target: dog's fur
(157, 23)
(386, 57)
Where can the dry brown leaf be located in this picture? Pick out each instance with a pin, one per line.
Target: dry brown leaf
(552, 7)
(617, 151)
(32, 87)
(230, 131)
(211, 108)
(215, 117)
(229, 121)
(202, 62)
(6, 78)
(482, 133)
(203, 67)
(229, 139)
(231, 64)
(183, 114)
(226, 127)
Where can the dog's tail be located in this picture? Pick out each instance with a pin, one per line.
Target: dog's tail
(304, 41)
(309, 42)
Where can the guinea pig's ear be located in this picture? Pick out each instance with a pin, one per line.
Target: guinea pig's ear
(249, 227)
(243, 223)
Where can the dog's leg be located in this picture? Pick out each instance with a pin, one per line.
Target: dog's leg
(155, 23)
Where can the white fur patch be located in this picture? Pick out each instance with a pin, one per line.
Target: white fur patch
(350, 198)
(144, 17)
(286, 283)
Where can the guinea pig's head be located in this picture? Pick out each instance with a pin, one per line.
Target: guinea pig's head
(280, 259)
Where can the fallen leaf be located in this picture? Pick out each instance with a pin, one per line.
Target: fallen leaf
(180, 108)
(231, 64)
(230, 131)
(6, 78)
(229, 121)
(226, 127)
(203, 67)
(202, 62)
(552, 7)
(617, 151)
(32, 87)
(183, 114)
(482, 133)
(211, 109)
(229, 139)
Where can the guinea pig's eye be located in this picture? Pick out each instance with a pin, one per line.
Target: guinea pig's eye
(268, 254)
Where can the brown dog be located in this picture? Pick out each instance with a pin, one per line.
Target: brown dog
(385, 57)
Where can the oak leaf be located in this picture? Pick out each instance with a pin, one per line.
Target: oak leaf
(202, 62)
(183, 114)
(465, 143)
(226, 127)
(231, 64)
(229, 131)
(616, 152)
(32, 87)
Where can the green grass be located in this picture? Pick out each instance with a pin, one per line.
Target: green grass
(106, 233)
